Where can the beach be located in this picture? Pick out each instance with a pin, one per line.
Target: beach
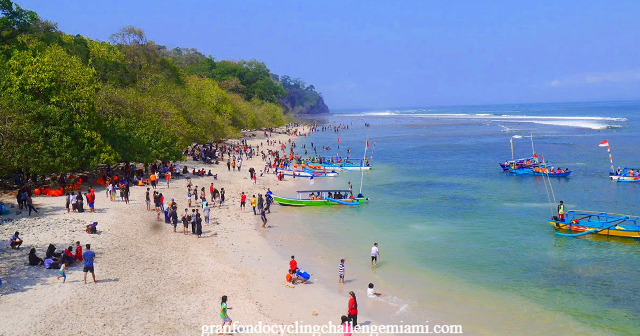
(154, 281)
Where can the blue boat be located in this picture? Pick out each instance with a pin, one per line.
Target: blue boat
(602, 223)
(626, 175)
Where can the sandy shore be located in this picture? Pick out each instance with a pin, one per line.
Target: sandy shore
(154, 281)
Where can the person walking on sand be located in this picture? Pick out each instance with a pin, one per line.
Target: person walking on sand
(254, 202)
(263, 216)
(341, 271)
(206, 212)
(221, 197)
(62, 273)
(352, 313)
(89, 257)
(193, 221)
(68, 201)
(375, 253)
(211, 191)
(224, 316)
(168, 178)
(198, 225)
(260, 204)
(185, 221)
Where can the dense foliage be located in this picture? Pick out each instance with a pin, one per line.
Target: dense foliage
(70, 102)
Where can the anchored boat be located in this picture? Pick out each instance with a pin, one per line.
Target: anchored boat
(321, 197)
(626, 175)
(587, 222)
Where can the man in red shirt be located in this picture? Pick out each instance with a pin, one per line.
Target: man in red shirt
(211, 191)
(293, 264)
(243, 201)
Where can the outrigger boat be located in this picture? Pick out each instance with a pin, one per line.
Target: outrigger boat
(586, 222)
(520, 163)
(348, 164)
(308, 173)
(540, 170)
(321, 197)
(626, 175)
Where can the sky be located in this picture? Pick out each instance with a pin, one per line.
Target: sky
(396, 54)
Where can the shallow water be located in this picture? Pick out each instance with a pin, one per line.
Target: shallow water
(462, 242)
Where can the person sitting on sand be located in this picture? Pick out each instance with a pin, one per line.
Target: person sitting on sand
(291, 277)
(68, 257)
(92, 228)
(34, 260)
(15, 241)
(52, 263)
(303, 276)
(78, 254)
(371, 293)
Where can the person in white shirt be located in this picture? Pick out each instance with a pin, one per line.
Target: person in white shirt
(375, 253)
(371, 293)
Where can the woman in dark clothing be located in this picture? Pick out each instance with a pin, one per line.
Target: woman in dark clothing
(79, 202)
(198, 225)
(34, 260)
(51, 252)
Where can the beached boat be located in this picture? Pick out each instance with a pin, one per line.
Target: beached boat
(586, 222)
(326, 197)
(626, 175)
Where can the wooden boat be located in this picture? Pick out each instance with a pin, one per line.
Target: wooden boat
(586, 222)
(308, 173)
(519, 163)
(303, 198)
(536, 172)
(626, 175)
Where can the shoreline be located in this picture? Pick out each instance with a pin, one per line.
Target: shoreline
(151, 280)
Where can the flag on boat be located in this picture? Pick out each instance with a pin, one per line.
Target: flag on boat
(604, 143)
(535, 155)
(338, 139)
(367, 146)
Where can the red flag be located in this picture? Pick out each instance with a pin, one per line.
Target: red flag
(535, 155)
(604, 143)
(338, 139)
(367, 144)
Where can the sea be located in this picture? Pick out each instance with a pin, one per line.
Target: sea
(463, 243)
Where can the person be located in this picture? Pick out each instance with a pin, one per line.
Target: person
(92, 228)
(561, 211)
(291, 277)
(15, 241)
(30, 204)
(352, 313)
(68, 257)
(375, 253)
(73, 202)
(263, 216)
(147, 198)
(293, 264)
(52, 263)
(168, 178)
(173, 213)
(371, 293)
(34, 260)
(91, 199)
(346, 327)
(254, 202)
(51, 252)
(78, 254)
(260, 204)
(221, 197)
(341, 271)
(211, 191)
(80, 202)
(206, 211)
(224, 316)
(193, 221)
(303, 276)
(152, 179)
(198, 225)
(185, 221)
(68, 202)
(243, 201)
(89, 257)
(62, 273)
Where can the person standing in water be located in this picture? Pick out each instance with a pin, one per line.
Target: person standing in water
(375, 253)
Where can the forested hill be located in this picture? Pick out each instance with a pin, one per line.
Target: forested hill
(68, 102)
(251, 79)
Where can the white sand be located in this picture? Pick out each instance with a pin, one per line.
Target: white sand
(151, 280)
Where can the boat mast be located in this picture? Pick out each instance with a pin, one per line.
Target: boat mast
(511, 140)
(532, 149)
(366, 145)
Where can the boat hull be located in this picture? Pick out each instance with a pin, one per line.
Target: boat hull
(287, 201)
(529, 172)
(617, 231)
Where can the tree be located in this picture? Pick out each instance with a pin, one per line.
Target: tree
(129, 35)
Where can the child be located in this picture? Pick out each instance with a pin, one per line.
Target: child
(341, 271)
(63, 273)
(371, 293)
(189, 197)
(346, 326)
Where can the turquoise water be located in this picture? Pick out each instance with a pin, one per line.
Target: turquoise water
(452, 227)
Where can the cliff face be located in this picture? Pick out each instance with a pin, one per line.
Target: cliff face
(301, 99)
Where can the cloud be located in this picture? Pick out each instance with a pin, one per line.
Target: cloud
(598, 77)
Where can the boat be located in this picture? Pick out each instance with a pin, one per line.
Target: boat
(587, 222)
(303, 198)
(348, 164)
(540, 170)
(308, 173)
(520, 163)
(626, 175)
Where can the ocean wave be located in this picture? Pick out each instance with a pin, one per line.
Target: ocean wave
(589, 122)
